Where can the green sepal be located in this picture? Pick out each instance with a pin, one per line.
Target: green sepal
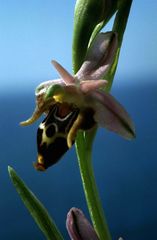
(35, 207)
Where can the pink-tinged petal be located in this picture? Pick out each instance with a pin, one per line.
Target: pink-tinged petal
(78, 226)
(99, 57)
(66, 76)
(111, 115)
(91, 85)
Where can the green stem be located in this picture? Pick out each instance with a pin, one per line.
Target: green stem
(84, 152)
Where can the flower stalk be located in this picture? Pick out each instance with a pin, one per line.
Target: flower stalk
(84, 152)
(84, 140)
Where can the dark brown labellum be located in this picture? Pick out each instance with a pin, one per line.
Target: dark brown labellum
(52, 135)
(53, 131)
(88, 122)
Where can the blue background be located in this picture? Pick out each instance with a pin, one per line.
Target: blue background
(33, 33)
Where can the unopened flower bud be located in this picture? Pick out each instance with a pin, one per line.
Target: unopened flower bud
(78, 226)
(100, 56)
(88, 14)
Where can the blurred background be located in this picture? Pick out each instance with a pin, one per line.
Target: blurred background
(33, 33)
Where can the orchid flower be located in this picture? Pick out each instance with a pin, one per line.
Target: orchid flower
(78, 102)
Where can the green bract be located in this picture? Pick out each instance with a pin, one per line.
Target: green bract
(89, 14)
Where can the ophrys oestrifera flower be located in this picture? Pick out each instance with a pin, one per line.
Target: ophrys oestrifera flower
(78, 102)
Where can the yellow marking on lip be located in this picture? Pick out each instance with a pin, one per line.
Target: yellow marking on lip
(40, 159)
(69, 98)
(58, 98)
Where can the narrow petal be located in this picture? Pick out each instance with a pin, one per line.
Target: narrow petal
(91, 85)
(78, 226)
(99, 57)
(67, 77)
(111, 115)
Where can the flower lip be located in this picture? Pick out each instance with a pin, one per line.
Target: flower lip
(52, 135)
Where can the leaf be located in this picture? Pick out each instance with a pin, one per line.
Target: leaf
(35, 207)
